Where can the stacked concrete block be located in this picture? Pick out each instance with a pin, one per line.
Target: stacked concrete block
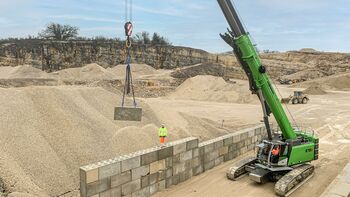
(141, 173)
(216, 151)
(148, 171)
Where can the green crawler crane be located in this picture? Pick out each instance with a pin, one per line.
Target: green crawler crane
(285, 156)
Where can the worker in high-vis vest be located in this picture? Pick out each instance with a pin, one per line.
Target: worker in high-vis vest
(163, 133)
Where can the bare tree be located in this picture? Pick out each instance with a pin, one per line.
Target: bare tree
(59, 32)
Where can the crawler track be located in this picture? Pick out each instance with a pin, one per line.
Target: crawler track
(293, 179)
(238, 169)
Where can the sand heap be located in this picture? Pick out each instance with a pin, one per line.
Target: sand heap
(22, 72)
(210, 88)
(334, 82)
(47, 133)
(89, 72)
(315, 89)
(137, 70)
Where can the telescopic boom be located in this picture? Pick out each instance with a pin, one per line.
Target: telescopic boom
(249, 59)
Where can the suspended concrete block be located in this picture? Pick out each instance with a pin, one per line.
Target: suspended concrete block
(128, 113)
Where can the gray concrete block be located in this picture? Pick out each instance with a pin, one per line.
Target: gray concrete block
(197, 170)
(201, 150)
(241, 144)
(219, 160)
(156, 166)
(179, 148)
(105, 194)
(196, 161)
(208, 148)
(89, 175)
(144, 181)
(211, 156)
(145, 192)
(149, 158)
(176, 179)
(218, 144)
(116, 192)
(253, 140)
(168, 182)
(195, 152)
(128, 113)
(209, 165)
(243, 150)
(185, 156)
(157, 187)
(153, 189)
(243, 136)
(161, 185)
(188, 164)
(231, 155)
(185, 175)
(120, 179)
(251, 133)
(168, 162)
(236, 138)
(251, 147)
(153, 178)
(260, 138)
(233, 147)
(98, 186)
(137, 173)
(165, 152)
(168, 172)
(248, 141)
(223, 150)
(82, 174)
(131, 187)
(228, 141)
(83, 188)
(131, 163)
(177, 168)
(161, 175)
(176, 159)
(258, 131)
(191, 144)
(109, 170)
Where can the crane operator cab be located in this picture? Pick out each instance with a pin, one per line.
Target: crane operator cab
(273, 153)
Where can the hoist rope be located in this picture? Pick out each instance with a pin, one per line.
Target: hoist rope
(128, 85)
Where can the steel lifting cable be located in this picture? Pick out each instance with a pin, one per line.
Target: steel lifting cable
(291, 115)
(128, 27)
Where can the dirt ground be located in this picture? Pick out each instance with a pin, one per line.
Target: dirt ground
(328, 115)
(49, 130)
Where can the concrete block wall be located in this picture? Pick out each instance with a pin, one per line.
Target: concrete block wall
(148, 171)
(225, 148)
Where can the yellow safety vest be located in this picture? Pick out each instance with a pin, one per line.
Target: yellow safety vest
(163, 132)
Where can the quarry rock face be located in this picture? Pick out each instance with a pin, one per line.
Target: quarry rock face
(57, 55)
(291, 66)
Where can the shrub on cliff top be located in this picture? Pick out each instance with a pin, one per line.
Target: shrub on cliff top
(144, 38)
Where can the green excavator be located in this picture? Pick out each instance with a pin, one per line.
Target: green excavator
(284, 156)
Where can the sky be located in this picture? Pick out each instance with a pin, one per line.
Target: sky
(279, 25)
